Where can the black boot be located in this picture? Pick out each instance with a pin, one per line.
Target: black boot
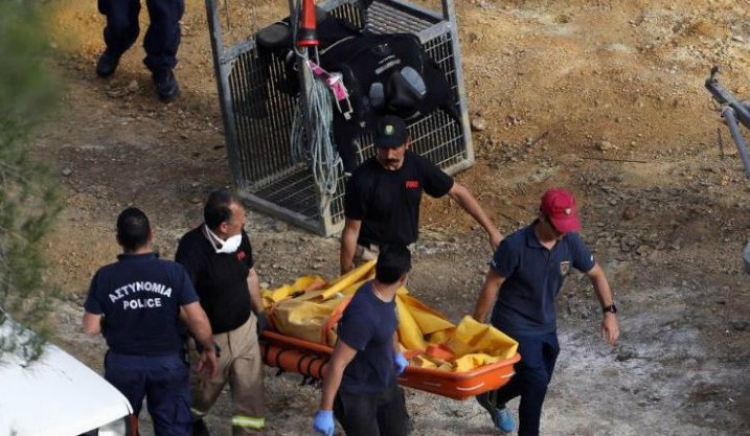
(166, 85)
(107, 64)
(200, 429)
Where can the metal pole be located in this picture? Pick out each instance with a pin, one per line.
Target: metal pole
(449, 15)
(729, 115)
(222, 81)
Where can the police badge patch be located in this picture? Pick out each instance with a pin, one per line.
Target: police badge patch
(564, 268)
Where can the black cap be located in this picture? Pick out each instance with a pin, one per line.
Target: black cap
(391, 132)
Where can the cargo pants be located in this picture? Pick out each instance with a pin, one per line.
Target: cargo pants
(241, 365)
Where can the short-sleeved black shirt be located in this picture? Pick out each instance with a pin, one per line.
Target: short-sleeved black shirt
(219, 278)
(387, 202)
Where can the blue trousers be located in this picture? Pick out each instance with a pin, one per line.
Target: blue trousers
(162, 38)
(162, 380)
(533, 374)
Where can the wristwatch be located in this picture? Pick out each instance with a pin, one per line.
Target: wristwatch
(611, 308)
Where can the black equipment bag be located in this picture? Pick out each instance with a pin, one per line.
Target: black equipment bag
(384, 74)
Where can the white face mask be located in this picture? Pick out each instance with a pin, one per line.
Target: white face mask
(231, 244)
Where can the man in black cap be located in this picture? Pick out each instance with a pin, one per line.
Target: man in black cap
(381, 204)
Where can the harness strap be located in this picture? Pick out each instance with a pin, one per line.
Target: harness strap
(336, 85)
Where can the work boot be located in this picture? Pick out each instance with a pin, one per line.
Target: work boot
(200, 429)
(166, 85)
(107, 64)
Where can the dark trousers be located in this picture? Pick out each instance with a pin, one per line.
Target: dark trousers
(162, 38)
(162, 380)
(381, 414)
(533, 374)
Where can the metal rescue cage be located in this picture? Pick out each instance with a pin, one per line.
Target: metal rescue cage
(258, 115)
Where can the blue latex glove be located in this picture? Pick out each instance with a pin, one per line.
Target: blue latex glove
(401, 363)
(324, 422)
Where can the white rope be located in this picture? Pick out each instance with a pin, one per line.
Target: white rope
(324, 159)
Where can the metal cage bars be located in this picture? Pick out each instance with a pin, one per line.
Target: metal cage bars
(258, 113)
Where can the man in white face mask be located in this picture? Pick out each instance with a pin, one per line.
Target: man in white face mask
(219, 259)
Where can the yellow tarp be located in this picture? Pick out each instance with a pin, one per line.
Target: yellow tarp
(306, 309)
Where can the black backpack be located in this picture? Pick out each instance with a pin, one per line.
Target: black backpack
(383, 73)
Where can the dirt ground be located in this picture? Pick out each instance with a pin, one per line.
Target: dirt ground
(603, 97)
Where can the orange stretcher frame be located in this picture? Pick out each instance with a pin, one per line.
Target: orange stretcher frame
(310, 358)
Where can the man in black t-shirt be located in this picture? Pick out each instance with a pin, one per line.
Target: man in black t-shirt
(219, 259)
(382, 198)
(136, 304)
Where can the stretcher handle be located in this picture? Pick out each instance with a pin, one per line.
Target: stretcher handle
(333, 319)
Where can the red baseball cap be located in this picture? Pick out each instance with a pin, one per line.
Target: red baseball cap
(559, 206)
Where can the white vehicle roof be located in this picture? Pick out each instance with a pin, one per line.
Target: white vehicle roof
(54, 396)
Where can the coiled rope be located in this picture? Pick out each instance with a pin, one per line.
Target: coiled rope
(324, 159)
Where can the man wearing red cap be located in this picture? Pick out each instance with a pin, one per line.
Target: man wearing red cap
(382, 198)
(529, 268)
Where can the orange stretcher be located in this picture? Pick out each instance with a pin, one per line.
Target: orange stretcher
(310, 359)
(454, 361)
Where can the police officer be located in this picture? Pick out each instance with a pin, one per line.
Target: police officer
(161, 42)
(359, 385)
(382, 198)
(529, 269)
(136, 304)
(219, 259)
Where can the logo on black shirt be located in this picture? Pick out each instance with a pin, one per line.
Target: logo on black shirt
(412, 184)
(241, 255)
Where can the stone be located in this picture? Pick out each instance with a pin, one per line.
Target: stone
(629, 213)
(478, 124)
(625, 354)
(739, 325)
(605, 146)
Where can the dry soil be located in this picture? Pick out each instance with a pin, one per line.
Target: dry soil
(603, 97)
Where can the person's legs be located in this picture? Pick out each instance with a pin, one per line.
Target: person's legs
(551, 351)
(500, 414)
(168, 395)
(392, 417)
(509, 391)
(126, 373)
(204, 394)
(495, 401)
(246, 381)
(120, 32)
(537, 363)
(357, 414)
(162, 42)
(364, 254)
(163, 35)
